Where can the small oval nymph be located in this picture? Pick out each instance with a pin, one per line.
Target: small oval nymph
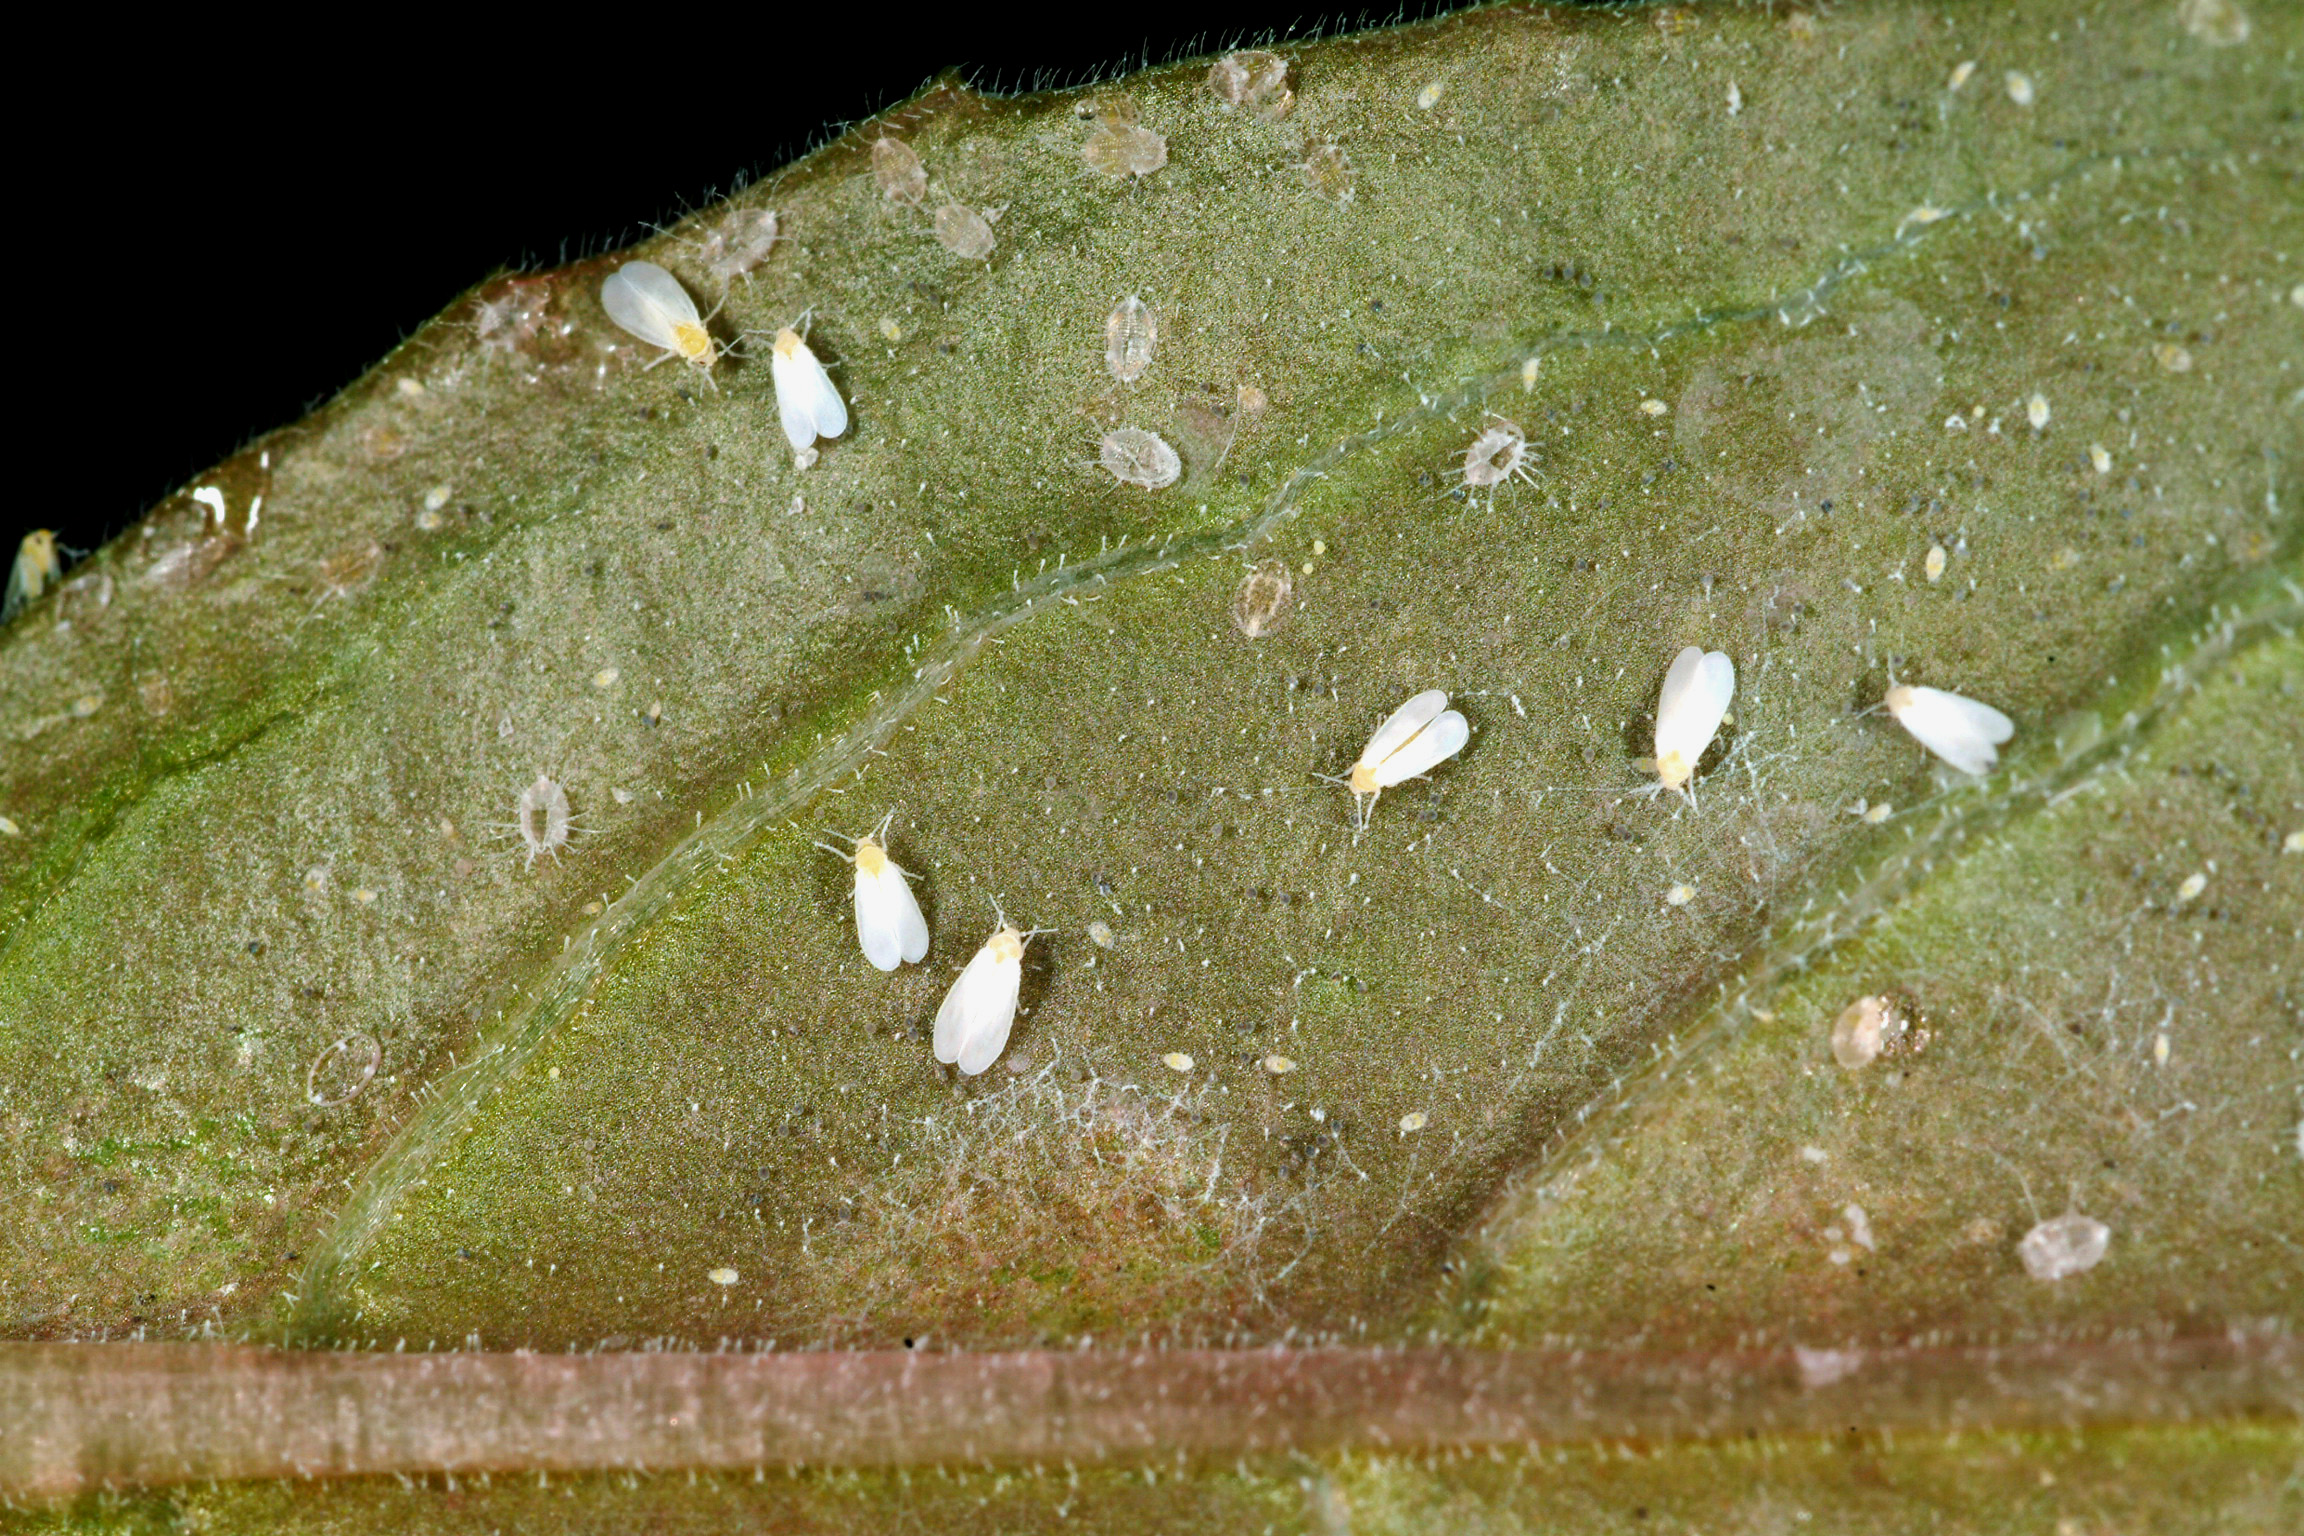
(649, 302)
(805, 399)
(897, 169)
(739, 242)
(1689, 710)
(1959, 730)
(540, 816)
(2063, 1246)
(1124, 149)
(1130, 332)
(1328, 171)
(1263, 598)
(963, 231)
(1134, 456)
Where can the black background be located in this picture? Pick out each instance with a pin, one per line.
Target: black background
(258, 218)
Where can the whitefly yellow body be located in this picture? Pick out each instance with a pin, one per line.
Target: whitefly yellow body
(888, 921)
(648, 301)
(1959, 730)
(973, 1024)
(1697, 690)
(1420, 735)
(810, 406)
(38, 566)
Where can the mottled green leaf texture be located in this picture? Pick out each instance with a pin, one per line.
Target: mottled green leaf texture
(1879, 343)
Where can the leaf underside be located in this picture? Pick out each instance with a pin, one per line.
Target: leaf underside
(301, 1043)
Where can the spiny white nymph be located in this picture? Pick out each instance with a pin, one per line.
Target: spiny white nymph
(805, 398)
(1421, 735)
(888, 920)
(540, 816)
(1496, 455)
(1959, 730)
(648, 301)
(1689, 711)
(972, 1026)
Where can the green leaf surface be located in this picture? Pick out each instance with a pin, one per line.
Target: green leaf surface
(1829, 352)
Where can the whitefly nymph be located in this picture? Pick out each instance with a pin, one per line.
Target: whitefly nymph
(897, 169)
(738, 243)
(962, 231)
(1136, 457)
(1131, 332)
(540, 817)
(1263, 598)
(1498, 454)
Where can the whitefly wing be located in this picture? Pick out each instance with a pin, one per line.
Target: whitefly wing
(648, 301)
(901, 913)
(805, 399)
(1965, 733)
(887, 917)
(1405, 722)
(1439, 741)
(793, 402)
(830, 410)
(1719, 682)
(876, 925)
(992, 1013)
(661, 289)
(1694, 700)
(957, 1019)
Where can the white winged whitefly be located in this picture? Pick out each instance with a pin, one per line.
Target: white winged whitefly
(1419, 736)
(1694, 700)
(644, 299)
(810, 407)
(38, 567)
(973, 1023)
(888, 921)
(1959, 730)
